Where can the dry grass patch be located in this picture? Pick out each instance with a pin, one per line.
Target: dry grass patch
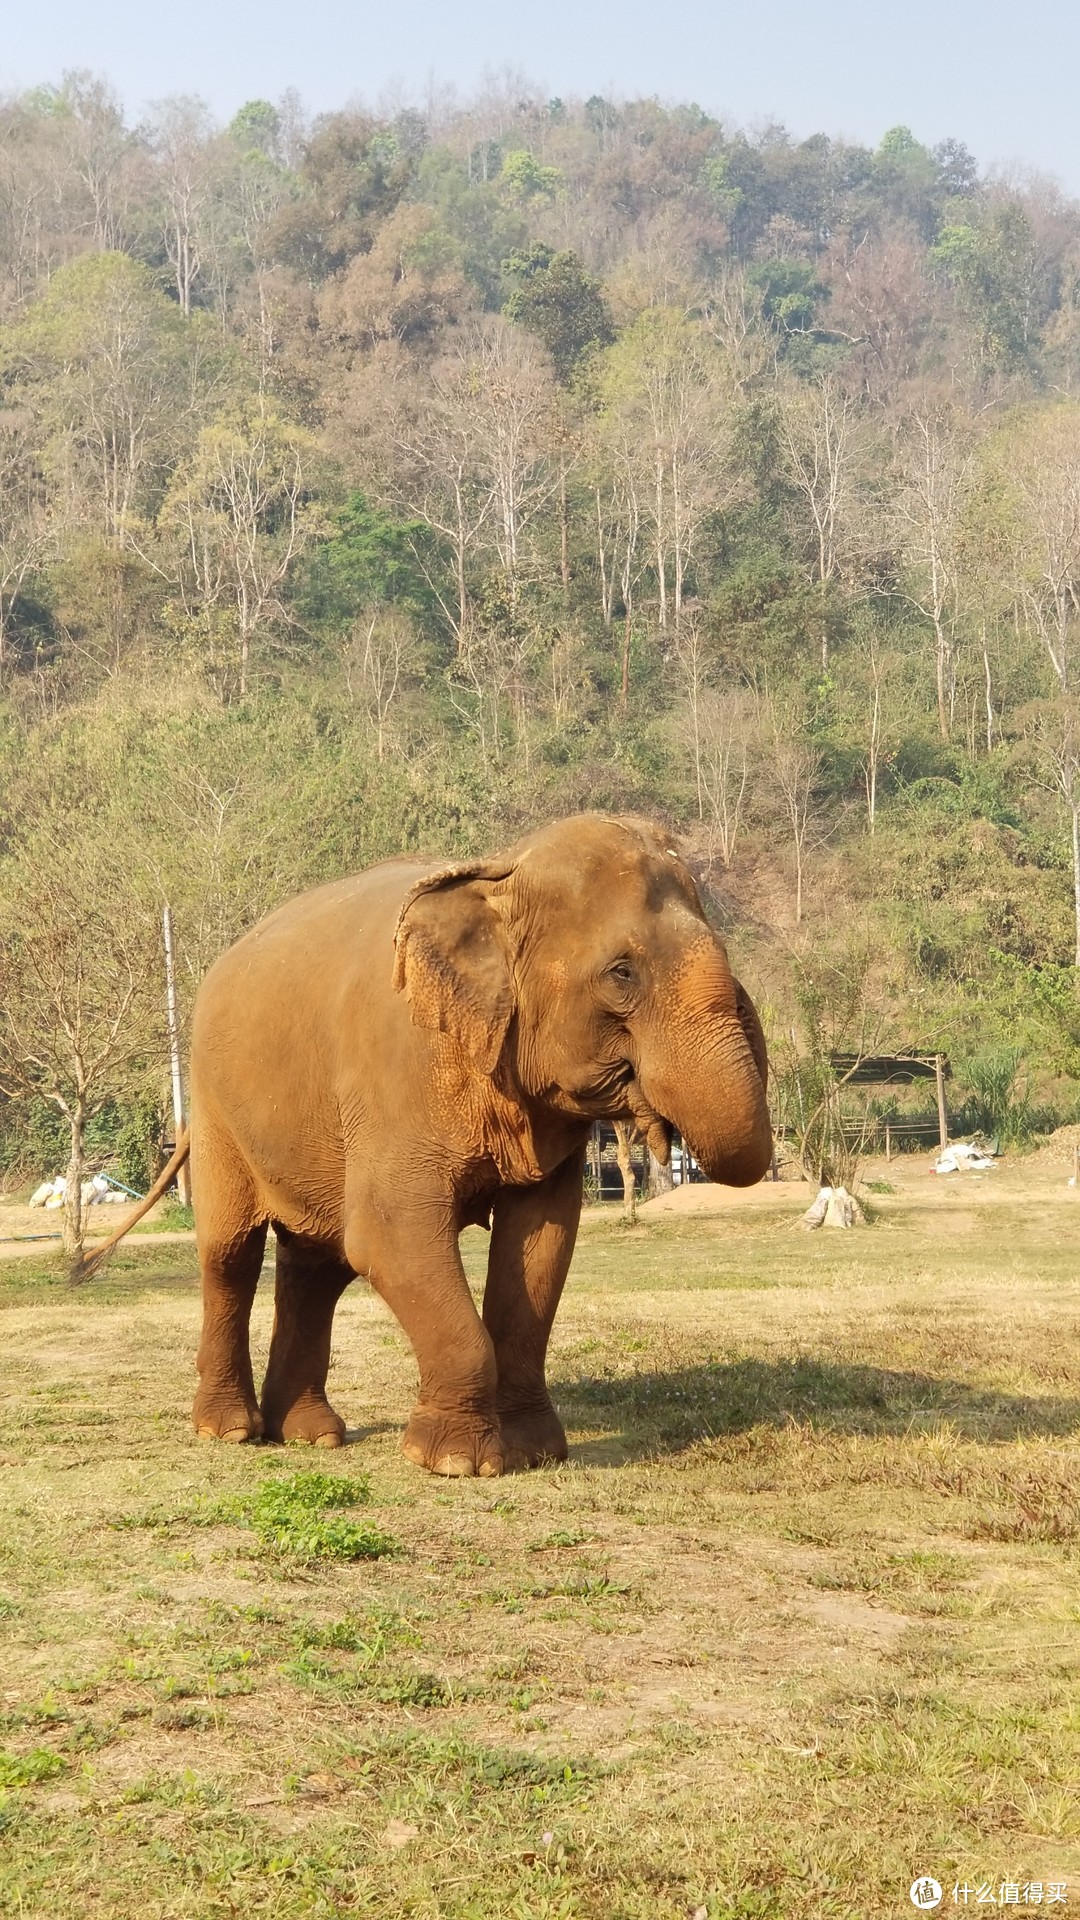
(798, 1618)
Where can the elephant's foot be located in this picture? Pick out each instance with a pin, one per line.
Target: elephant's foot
(460, 1445)
(310, 1420)
(532, 1437)
(225, 1414)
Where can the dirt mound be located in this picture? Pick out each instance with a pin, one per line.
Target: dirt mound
(1060, 1149)
(700, 1196)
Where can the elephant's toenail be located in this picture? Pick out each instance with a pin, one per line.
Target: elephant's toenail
(457, 1466)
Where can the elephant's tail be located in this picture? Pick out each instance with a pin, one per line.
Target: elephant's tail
(87, 1264)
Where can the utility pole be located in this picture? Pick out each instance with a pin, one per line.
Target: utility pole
(183, 1178)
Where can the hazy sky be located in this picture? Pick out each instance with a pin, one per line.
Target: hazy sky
(1002, 77)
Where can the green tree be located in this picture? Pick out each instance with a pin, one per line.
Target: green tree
(555, 298)
(993, 262)
(256, 128)
(791, 294)
(523, 177)
(365, 558)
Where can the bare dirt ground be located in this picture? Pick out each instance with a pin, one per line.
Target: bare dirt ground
(26, 1230)
(909, 1177)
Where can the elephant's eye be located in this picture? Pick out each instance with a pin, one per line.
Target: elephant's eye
(623, 972)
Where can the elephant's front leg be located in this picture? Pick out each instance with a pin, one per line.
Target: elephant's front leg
(410, 1255)
(532, 1241)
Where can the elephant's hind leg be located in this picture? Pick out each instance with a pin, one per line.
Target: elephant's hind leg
(231, 1239)
(310, 1281)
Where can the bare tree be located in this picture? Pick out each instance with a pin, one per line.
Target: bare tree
(101, 155)
(112, 384)
(240, 513)
(1043, 468)
(181, 133)
(1055, 729)
(732, 311)
(80, 991)
(885, 301)
(935, 471)
(726, 734)
(513, 395)
(839, 1003)
(378, 657)
(38, 232)
(619, 547)
(796, 768)
(464, 446)
(668, 414)
(818, 435)
(483, 677)
(871, 766)
(24, 521)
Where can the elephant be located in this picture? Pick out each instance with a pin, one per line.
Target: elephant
(423, 1046)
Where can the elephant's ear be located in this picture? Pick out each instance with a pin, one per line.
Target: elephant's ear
(453, 959)
(754, 1031)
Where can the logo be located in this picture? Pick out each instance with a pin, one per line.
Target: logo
(925, 1893)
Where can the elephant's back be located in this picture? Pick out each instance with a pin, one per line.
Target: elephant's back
(273, 1011)
(316, 936)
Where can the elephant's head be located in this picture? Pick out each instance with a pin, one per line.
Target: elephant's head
(580, 966)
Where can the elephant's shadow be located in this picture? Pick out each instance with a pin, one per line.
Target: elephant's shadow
(638, 1416)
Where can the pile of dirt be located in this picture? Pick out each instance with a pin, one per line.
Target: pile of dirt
(1060, 1149)
(701, 1196)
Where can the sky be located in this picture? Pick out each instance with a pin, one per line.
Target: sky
(998, 76)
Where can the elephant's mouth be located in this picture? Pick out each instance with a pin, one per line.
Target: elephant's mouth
(616, 1093)
(603, 1095)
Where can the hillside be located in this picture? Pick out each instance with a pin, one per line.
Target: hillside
(375, 483)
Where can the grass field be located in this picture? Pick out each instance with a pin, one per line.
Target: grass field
(799, 1620)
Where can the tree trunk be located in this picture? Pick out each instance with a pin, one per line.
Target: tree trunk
(564, 536)
(606, 587)
(661, 1178)
(72, 1220)
(661, 556)
(1075, 810)
(871, 769)
(945, 682)
(626, 1168)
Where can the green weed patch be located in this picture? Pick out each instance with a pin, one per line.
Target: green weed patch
(300, 1517)
(30, 1769)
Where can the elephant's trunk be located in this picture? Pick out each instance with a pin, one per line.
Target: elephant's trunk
(709, 1076)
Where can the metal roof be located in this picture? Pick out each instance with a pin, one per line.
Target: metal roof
(879, 1069)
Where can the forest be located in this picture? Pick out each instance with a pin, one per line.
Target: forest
(399, 478)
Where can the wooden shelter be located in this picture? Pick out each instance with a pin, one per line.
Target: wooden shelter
(896, 1070)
